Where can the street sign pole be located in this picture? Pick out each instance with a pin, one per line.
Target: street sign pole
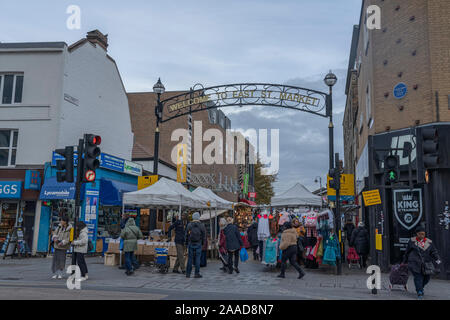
(338, 219)
(78, 192)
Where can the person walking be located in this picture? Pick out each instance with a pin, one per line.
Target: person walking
(288, 246)
(348, 229)
(80, 248)
(223, 253)
(252, 234)
(130, 235)
(420, 255)
(301, 241)
(194, 237)
(61, 243)
(234, 244)
(360, 240)
(178, 226)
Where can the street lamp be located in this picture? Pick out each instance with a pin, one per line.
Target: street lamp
(320, 190)
(159, 89)
(330, 80)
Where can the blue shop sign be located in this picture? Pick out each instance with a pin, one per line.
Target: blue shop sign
(32, 180)
(10, 189)
(112, 163)
(54, 190)
(400, 90)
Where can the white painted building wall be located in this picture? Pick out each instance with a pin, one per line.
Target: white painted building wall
(47, 121)
(37, 116)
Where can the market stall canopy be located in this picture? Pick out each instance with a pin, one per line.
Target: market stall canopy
(164, 192)
(298, 195)
(206, 214)
(249, 202)
(215, 200)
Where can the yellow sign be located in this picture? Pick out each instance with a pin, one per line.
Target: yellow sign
(145, 181)
(372, 197)
(181, 162)
(378, 241)
(347, 186)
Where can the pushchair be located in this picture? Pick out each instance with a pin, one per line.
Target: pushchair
(161, 259)
(353, 258)
(399, 276)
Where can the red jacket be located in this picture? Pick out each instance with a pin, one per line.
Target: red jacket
(222, 243)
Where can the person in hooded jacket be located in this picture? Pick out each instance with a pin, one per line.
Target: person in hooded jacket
(420, 255)
(178, 226)
(61, 243)
(252, 235)
(360, 240)
(194, 238)
(234, 244)
(130, 235)
(288, 246)
(80, 248)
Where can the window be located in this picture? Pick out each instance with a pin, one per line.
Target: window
(8, 147)
(11, 88)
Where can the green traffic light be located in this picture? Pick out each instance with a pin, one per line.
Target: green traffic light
(392, 175)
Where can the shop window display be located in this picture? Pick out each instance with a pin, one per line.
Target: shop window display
(109, 221)
(8, 218)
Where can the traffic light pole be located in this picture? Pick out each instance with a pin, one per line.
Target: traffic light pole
(78, 183)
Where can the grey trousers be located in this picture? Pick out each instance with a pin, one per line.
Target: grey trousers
(180, 263)
(59, 260)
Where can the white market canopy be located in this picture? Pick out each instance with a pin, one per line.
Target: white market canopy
(298, 195)
(211, 214)
(164, 193)
(215, 200)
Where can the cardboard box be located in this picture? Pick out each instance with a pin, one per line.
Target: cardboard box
(113, 247)
(99, 246)
(111, 259)
(149, 250)
(141, 246)
(172, 251)
(172, 261)
(145, 258)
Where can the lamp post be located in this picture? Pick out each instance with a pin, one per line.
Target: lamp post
(320, 183)
(330, 80)
(159, 89)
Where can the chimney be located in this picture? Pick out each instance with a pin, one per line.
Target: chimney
(96, 37)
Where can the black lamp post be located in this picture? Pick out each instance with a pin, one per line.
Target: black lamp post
(159, 89)
(320, 184)
(330, 80)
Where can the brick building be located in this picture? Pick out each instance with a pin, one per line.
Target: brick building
(398, 86)
(222, 178)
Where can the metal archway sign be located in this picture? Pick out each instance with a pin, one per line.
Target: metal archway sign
(245, 94)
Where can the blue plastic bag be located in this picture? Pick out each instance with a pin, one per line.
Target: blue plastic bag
(244, 255)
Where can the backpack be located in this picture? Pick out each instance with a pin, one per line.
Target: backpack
(195, 233)
(90, 246)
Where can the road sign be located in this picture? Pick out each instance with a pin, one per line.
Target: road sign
(146, 181)
(372, 197)
(252, 194)
(90, 175)
(347, 189)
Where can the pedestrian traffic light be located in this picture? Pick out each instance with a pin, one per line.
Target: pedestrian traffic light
(391, 168)
(430, 148)
(335, 178)
(91, 152)
(65, 167)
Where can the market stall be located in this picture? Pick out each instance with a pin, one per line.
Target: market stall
(296, 197)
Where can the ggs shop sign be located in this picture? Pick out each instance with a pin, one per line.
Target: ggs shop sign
(10, 189)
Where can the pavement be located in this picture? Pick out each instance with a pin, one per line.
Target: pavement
(31, 279)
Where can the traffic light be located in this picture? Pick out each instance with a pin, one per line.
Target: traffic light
(65, 167)
(391, 168)
(335, 178)
(91, 152)
(430, 148)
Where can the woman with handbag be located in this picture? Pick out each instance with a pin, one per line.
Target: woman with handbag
(420, 255)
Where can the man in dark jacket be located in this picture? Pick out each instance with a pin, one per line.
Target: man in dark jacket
(420, 255)
(360, 240)
(177, 225)
(348, 229)
(195, 235)
(234, 244)
(252, 234)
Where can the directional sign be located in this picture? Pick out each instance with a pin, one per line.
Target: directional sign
(371, 197)
(90, 175)
(146, 181)
(347, 191)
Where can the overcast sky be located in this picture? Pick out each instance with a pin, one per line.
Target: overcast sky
(218, 42)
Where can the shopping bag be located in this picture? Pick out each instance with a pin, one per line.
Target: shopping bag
(243, 255)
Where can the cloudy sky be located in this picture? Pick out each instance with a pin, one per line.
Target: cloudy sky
(218, 42)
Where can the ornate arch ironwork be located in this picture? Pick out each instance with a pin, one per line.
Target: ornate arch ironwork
(245, 94)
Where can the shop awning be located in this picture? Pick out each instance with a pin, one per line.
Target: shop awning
(54, 190)
(111, 191)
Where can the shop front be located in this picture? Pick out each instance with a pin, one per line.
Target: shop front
(101, 201)
(19, 202)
